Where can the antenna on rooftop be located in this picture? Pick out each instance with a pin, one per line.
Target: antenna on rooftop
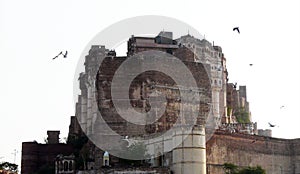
(15, 154)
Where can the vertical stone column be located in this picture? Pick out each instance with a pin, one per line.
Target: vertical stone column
(216, 104)
(94, 108)
(89, 109)
(83, 113)
(190, 155)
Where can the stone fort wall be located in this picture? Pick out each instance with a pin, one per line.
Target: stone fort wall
(276, 156)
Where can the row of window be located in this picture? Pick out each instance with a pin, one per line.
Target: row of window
(216, 82)
(216, 68)
(207, 50)
(66, 166)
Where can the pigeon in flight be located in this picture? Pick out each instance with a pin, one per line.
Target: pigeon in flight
(272, 125)
(237, 29)
(129, 141)
(57, 55)
(65, 55)
(61, 53)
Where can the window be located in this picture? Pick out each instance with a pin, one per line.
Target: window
(70, 166)
(61, 166)
(66, 167)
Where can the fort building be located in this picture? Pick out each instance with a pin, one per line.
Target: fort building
(235, 138)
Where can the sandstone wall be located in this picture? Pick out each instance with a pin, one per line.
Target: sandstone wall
(276, 156)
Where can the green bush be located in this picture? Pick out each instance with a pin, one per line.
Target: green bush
(242, 116)
(233, 169)
(252, 170)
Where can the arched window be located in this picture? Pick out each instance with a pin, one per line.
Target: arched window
(70, 166)
(61, 166)
(66, 166)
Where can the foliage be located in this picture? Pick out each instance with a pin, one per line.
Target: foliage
(230, 168)
(252, 170)
(233, 169)
(9, 166)
(45, 140)
(242, 116)
(80, 152)
(229, 110)
(77, 142)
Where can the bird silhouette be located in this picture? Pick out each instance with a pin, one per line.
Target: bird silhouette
(237, 29)
(272, 125)
(129, 141)
(65, 55)
(57, 55)
(234, 85)
(281, 107)
(250, 64)
(61, 53)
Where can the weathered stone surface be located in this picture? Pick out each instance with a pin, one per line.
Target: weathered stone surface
(274, 155)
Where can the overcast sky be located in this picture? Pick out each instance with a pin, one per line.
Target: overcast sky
(37, 92)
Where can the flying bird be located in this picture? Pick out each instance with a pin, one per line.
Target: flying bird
(237, 29)
(65, 55)
(272, 125)
(129, 141)
(61, 53)
(57, 55)
(281, 107)
(250, 64)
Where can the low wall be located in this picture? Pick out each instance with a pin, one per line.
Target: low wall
(276, 156)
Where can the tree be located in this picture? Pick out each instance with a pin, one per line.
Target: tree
(233, 169)
(230, 168)
(80, 151)
(242, 116)
(252, 170)
(9, 166)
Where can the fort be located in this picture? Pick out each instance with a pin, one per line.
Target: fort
(232, 137)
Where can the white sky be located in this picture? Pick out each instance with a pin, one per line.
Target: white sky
(37, 92)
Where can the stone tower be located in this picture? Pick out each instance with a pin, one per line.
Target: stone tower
(190, 155)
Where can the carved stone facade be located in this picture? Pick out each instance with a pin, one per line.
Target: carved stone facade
(65, 164)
